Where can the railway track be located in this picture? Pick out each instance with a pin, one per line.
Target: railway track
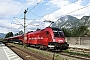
(79, 53)
(27, 55)
(80, 50)
(72, 55)
(76, 56)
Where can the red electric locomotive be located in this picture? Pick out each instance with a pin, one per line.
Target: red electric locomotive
(52, 38)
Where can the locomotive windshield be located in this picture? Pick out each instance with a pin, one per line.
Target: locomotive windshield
(58, 32)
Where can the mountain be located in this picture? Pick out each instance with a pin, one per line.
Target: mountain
(85, 20)
(71, 22)
(2, 35)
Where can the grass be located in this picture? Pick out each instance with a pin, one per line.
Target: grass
(34, 50)
(50, 55)
(77, 53)
(44, 53)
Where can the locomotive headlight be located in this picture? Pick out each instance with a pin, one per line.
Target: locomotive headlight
(60, 40)
(51, 46)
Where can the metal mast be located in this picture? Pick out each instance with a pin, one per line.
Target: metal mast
(24, 23)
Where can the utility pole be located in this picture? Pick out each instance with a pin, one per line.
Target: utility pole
(24, 24)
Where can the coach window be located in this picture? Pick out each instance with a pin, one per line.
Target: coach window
(47, 32)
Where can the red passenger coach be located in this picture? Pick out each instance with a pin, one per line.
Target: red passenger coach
(15, 39)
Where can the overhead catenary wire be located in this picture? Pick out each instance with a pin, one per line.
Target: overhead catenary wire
(76, 10)
(30, 22)
(30, 10)
(22, 8)
(49, 13)
(19, 13)
(36, 15)
(55, 10)
(18, 22)
(60, 8)
(34, 7)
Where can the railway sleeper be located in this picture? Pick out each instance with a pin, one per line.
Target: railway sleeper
(79, 50)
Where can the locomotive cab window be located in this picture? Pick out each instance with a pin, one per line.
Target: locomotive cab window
(58, 33)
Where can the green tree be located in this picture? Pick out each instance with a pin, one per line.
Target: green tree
(10, 34)
(16, 34)
(67, 32)
(76, 32)
(80, 31)
(19, 33)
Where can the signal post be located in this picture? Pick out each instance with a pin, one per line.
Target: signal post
(24, 24)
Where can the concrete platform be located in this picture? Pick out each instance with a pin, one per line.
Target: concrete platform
(8, 54)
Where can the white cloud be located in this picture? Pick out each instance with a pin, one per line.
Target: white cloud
(57, 3)
(6, 26)
(67, 9)
(4, 23)
(4, 30)
(33, 2)
(9, 8)
(15, 26)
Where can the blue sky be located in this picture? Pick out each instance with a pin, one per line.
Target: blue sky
(45, 10)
